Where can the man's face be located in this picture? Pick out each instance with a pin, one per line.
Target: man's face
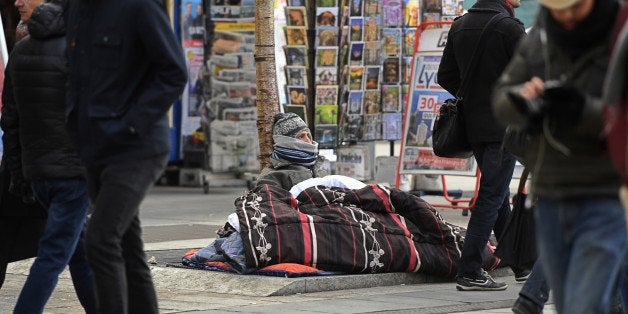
(514, 3)
(26, 7)
(305, 136)
(569, 17)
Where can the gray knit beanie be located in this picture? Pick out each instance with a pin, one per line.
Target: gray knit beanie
(288, 124)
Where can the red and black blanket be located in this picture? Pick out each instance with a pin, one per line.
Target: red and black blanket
(370, 230)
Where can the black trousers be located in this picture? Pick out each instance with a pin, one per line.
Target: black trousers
(113, 237)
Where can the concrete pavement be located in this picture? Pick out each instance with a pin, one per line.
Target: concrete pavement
(177, 219)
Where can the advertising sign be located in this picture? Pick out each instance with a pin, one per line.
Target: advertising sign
(424, 100)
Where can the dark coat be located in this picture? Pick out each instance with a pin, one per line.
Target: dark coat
(126, 70)
(501, 43)
(34, 97)
(285, 174)
(587, 169)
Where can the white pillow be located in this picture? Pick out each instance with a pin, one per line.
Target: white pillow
(331, 180)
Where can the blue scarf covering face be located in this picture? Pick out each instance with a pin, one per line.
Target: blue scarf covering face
(295, 151)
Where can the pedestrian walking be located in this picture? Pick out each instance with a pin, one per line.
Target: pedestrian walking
(484, 131)
(126, 70)
(39, 150)
(552, 88)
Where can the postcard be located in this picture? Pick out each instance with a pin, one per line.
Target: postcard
(371, 80)
(357, 54)
(391, 98)
(326, 76)
(326, 56)
(296, 16)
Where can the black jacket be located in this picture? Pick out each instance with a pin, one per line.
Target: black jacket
(126, 70)
(33, 112)
(501, 43)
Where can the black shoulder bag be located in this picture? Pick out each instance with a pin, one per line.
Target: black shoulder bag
(449, 135)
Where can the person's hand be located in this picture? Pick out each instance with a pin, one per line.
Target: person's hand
(529, 102)
(22, 188)
(564, 104)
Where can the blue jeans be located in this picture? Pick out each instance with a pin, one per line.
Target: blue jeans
(114, 237)
(582, 243)
(61, 244)
(535, 288)
(492, 207)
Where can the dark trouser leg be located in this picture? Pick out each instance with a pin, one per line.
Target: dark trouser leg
(113, 238)
(491, 206)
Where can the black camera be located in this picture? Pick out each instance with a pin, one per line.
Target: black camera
(552, 89)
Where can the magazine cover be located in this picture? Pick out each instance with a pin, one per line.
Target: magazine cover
(391, 98)
(296, 55)
(372, 127)
(326, 76)
(296, 75)
(372, 77)
(355, 102)
(371, 101)
(391, 126)
(326, 135)
(393, 13)
(356, 75)
(326, 114)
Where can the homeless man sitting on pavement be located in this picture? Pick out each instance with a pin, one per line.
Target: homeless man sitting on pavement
(295, 222)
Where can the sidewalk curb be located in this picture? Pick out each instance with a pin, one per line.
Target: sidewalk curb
(256, 285)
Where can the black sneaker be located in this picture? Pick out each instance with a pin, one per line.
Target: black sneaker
(482, 283)
(522, 275)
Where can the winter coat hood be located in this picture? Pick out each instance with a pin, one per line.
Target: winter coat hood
(47, 21)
